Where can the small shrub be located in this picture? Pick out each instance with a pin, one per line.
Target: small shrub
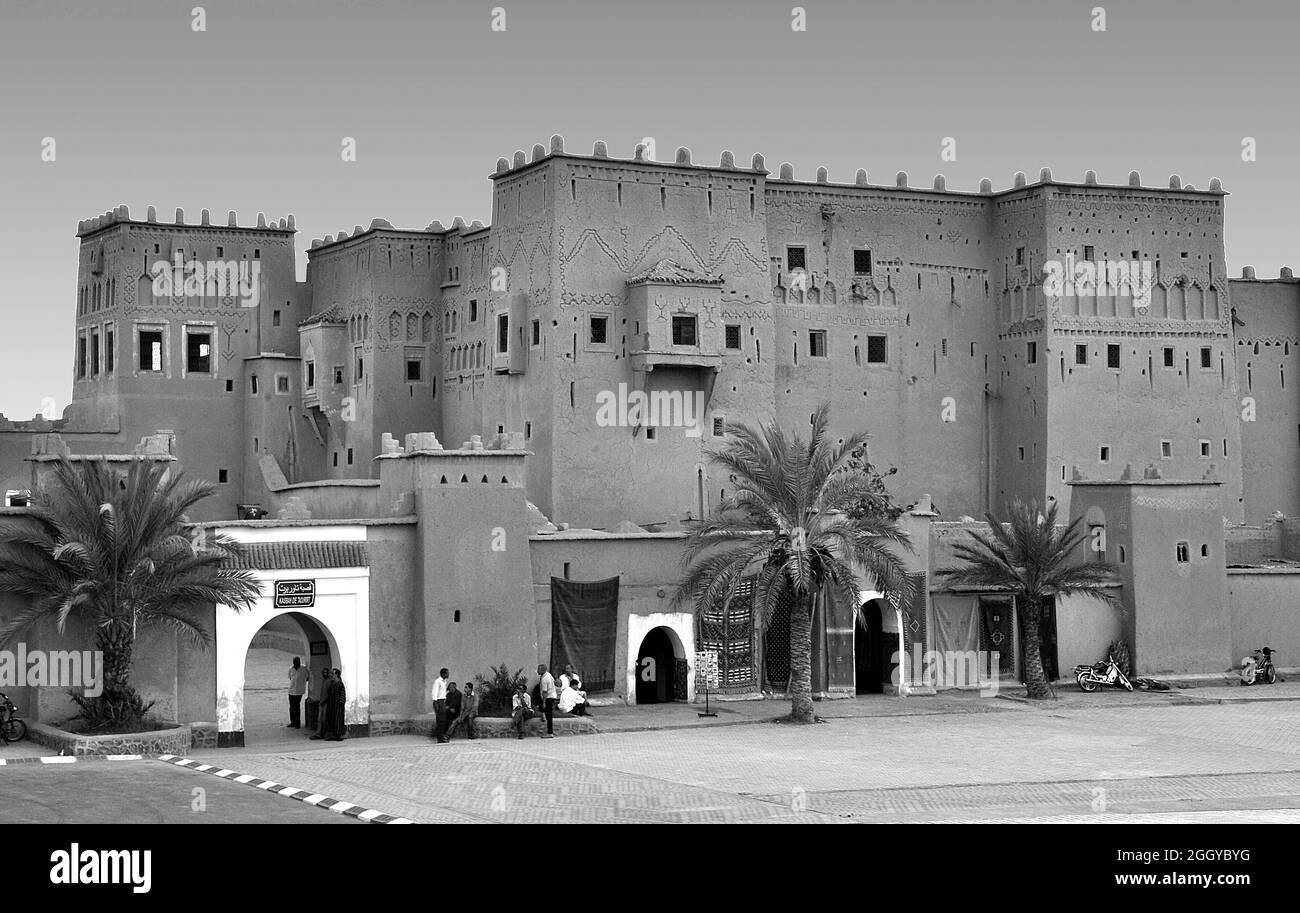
(496, 693)
(121, 710)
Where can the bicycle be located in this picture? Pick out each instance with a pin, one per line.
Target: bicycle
(12, 729)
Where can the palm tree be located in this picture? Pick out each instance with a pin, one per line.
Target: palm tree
(794, 519)
(111, 546)
(1033, 558)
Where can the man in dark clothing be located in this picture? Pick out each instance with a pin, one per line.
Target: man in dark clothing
(454, 699)
(336, 699)
(468, 712)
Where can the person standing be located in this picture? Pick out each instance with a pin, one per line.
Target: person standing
(299, 676)
(326, 690)
(440, 705)
(521, 709)
(336, 728)
(313, 702)
(548, 695)
(468, 713)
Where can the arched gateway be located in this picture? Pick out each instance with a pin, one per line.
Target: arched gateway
(323, 585)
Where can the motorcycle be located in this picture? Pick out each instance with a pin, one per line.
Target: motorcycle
(1090, 678)
(1253, 668)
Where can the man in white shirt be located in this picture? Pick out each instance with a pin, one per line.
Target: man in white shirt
(546, 688)
(440, 706)
(298, 679)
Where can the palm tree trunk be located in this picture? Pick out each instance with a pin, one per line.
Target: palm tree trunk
(1035, 677)
(117, 645)
(801, 704)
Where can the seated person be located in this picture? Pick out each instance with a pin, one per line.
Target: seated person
(572, 700)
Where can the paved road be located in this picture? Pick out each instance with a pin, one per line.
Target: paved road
(140, 792)
(1098, 761)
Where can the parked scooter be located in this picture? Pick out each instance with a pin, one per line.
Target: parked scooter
(1090, 678)
(1259, 666)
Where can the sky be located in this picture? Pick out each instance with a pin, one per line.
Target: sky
(250, 114)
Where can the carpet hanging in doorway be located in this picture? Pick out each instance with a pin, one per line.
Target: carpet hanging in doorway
(584, 625)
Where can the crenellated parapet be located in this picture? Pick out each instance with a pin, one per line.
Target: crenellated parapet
(121, 215)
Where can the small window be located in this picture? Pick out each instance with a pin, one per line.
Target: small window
(733, 336)
(338, 375)
(877, 350)
(719, 422)
(650, 433)
(282, 384)
(311, 375)
(862, 262)
(503, 333)
(275, 318)
(1031, 353)
(151, 350)
(1112, 356)
(252, 384)
(528, 431)
(1089, 253)
(336, 457)
(94, 353)
(414, 370)
(81, 356)
(221, 251)
(198, 353)
(1182, 553)
(1169, 356)
(223, 476)
(230, 386)
(599, 330)
(817, 343)
(1166, 450)
(110, 351)
(1081, 355)
(1205, 450)
(360, 364)
(684, 329)
(1103, 454)
(795, 258)
(1207, 356)
(473, 310)
(349, 456)
(1020, 454)
(537, 332)
(1020, 256)
(1123, 555)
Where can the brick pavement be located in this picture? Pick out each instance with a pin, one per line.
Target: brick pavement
(853, 768)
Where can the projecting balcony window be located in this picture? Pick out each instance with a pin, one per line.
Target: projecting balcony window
(684, 330)
(198, 353)
(733, 336)
(151, 356)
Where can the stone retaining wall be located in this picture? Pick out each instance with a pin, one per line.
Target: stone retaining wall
(485, 727)
(164, 741)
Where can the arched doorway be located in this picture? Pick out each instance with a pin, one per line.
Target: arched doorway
(266, 666)
(660, 668)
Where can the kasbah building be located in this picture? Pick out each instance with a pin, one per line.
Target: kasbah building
(419, 420)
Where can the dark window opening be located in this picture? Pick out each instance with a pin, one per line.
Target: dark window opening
(1169, 356)
(877, 350)
(1081, 355)
(862, 262)
(1031, 353)
(817, 343)
(151, 350)
(1206, 355)
(684, 329)
(599, 327)
(503, 333)
(223, 476)
(795, 258)
(414, 368)
(733, 336)
(1112, 356)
